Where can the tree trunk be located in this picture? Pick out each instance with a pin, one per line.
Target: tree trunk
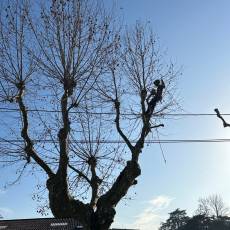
(102, 218)
(63, 205)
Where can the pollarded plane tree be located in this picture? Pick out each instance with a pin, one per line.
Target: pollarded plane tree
(76, 84)
(139, 89)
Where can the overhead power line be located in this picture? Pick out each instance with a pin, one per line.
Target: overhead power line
(164, 141)
(13, 110)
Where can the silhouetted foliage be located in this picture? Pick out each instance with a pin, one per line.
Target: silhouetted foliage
(198, 222)
(177, 219)
(212, 217)
(201, 222)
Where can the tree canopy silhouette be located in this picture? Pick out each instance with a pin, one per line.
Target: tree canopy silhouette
(177, 219)
(211, 214)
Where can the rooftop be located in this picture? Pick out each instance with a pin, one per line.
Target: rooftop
(43, 224)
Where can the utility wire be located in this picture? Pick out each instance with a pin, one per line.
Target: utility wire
(165, 141)
(7, 110)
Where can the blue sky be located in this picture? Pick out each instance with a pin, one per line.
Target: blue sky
(196, 35)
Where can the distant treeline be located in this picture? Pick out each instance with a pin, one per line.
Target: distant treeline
(211, 214)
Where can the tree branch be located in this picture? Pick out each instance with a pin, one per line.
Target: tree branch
(117, 121)
(81, 174)
(24, 133)
(225, 124)
(124, 181)
(157, 126)
(63, 134)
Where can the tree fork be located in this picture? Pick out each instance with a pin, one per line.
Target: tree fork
(63, 205)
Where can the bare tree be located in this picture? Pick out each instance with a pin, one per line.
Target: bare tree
(87, 98)
(212, 205)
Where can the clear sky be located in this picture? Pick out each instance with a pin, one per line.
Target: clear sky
(196, 35)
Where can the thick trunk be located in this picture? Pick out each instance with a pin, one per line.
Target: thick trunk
(102, 218)
(63, 205)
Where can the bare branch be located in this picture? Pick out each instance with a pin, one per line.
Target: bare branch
(29, 144)
(80, 173)
(212, 205)
(225, 124)
(117, 121)
(157, 126)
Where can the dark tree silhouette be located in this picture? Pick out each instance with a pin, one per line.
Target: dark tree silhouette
(72, 78)
(201, 222)
(211, 215)
(176, 221)
(179, 221)
(197, 222)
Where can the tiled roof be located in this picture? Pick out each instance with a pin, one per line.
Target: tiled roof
(43, 224)
(40, 224)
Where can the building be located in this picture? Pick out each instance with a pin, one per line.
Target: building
(43, 224)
